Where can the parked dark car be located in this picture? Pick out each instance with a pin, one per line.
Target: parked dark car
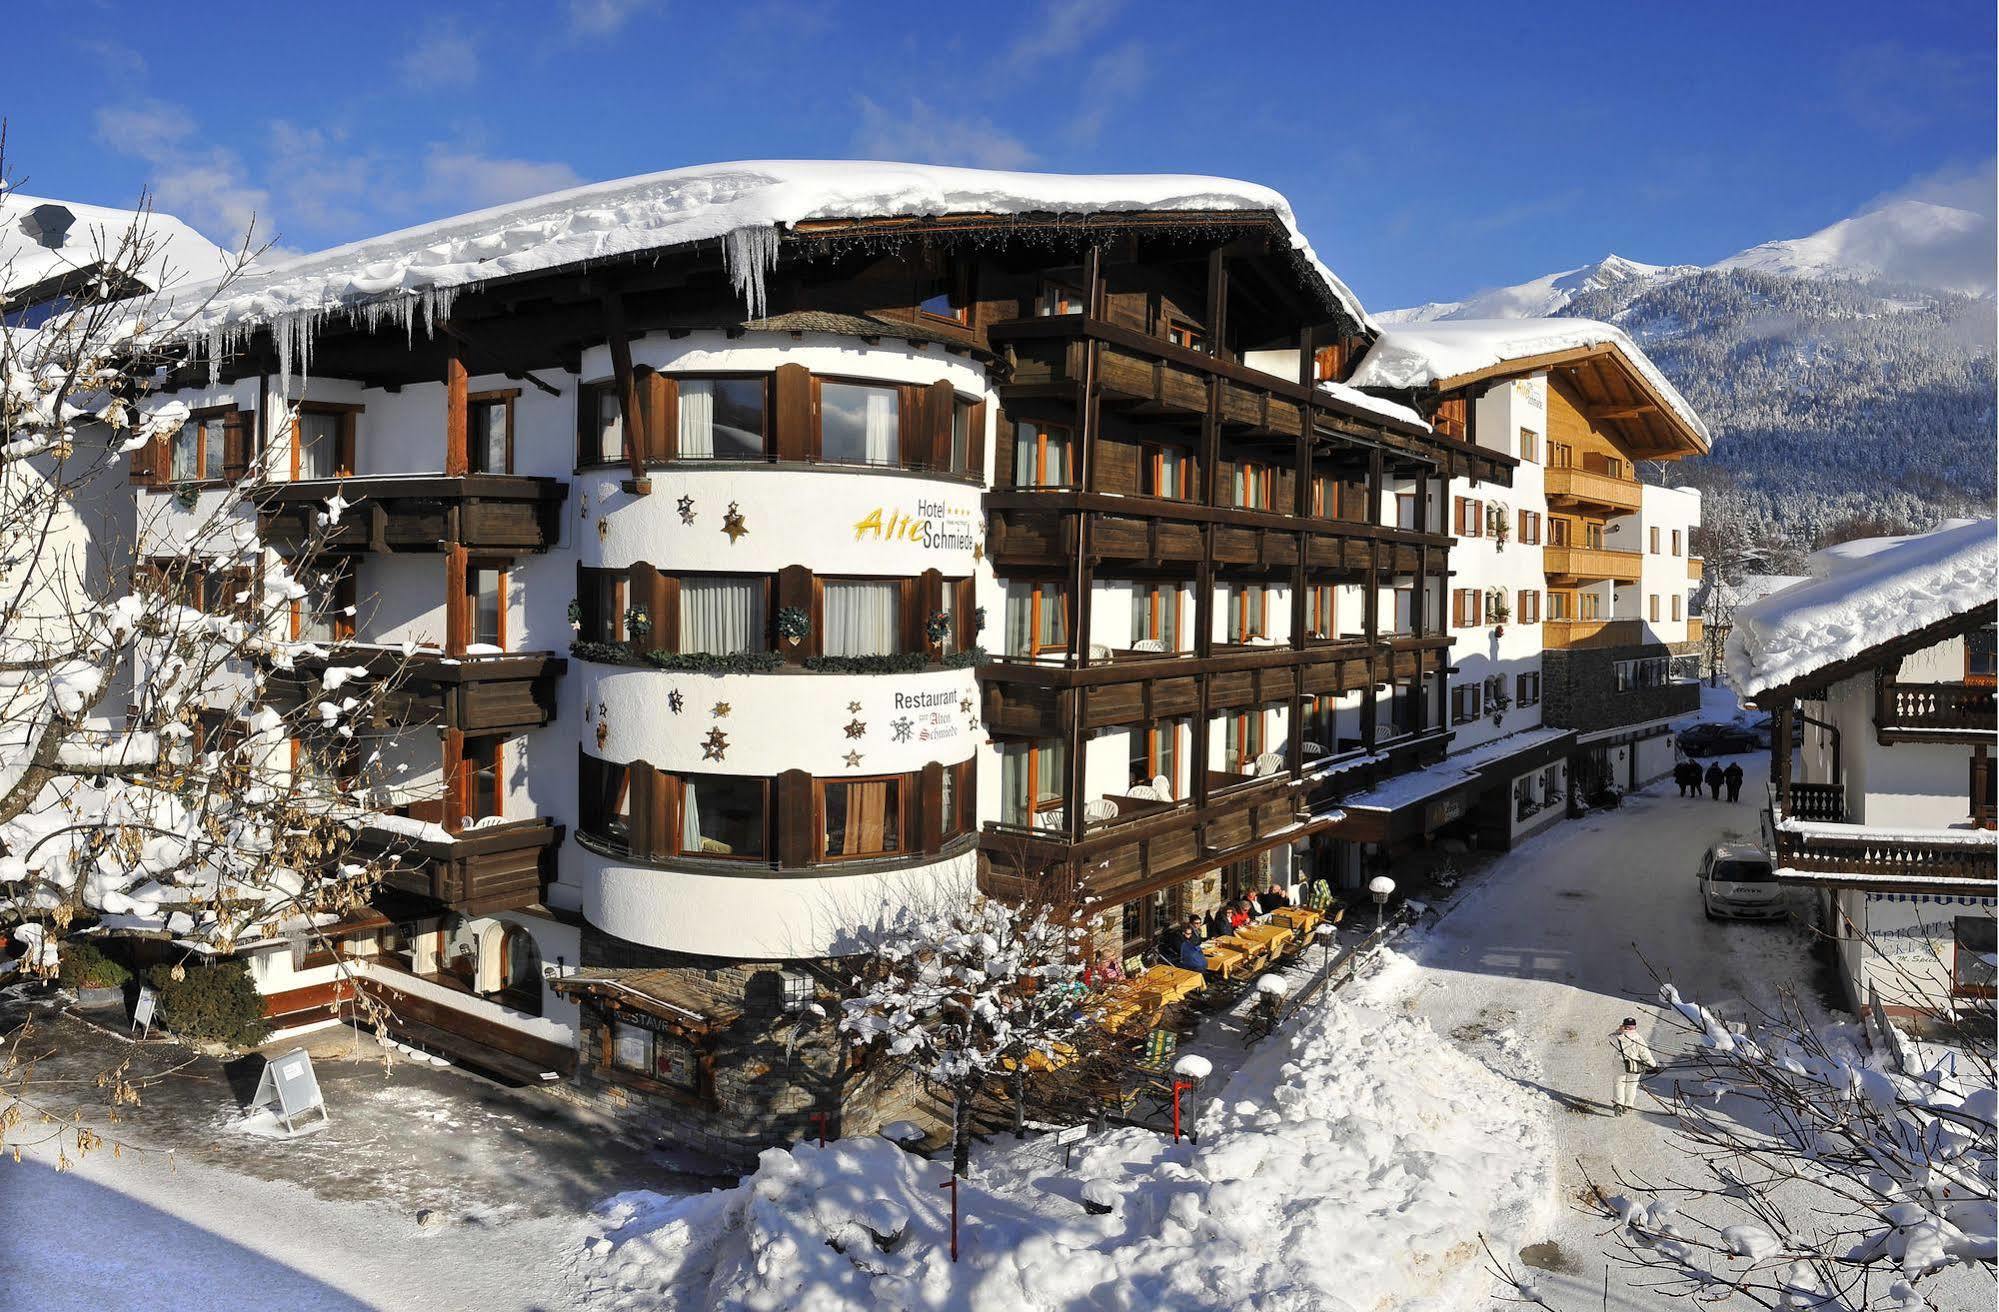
(1717, 740)
(1763, 728)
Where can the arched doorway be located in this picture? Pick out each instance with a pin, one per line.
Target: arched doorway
(520, 969)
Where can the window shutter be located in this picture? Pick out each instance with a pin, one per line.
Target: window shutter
(659, 395)
(797, 819)
(235, 446)
(149, 462)
(931, 821)
(940, 406)
(589, 792)
(796, 437)
(644, 594)
(977, 458)
(909, 601)
(643, 787)
(586, 410)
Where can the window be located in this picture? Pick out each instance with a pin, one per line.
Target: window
(862, 617)
(1058, 298)
(1530, 606)
(1032, 779)
(489, 433)
(1252, 487)
(962, 435)
(638, 1047)
(1653, 544)
(1676, 542)
(1405, 511)
(603, 424)
(861, 817)
(1644, 672)
(1155, 615)
(941, 301)
(1467, 608)
(1984, 790)
(1155, 754)
(1530, 528)
(1044, 455)
(1322, 725)
(1530, 445)
(859, 424)
(1037, 619)
(1676, 607)
(601, 601)
(723, 816)
(1168, 472)
(320, 446)
(605, 807)
(1973, 943)
(325, 613)
(1981, 655)
(198, 448)
(1320, 620)
(1615, 468)
(957, 798)
(1593, 536)
(1561, 605)
(723, 614)
(1244, 742)
(1248, 612)
(1527, 689)
(486, 590)
(1405, 610)
(1589, 605)
(1185, 335)
(1652, 608)
(1325, 496)
(1470, 522)
(1558, 532)
(726, 419)
(1561, 455)
(484, 795)
(1465, 702)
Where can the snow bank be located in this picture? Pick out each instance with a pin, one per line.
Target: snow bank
(1417, 355)
(1350, 1164)
(1863, 593)
(417, 272)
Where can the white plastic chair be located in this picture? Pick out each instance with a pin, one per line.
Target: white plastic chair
(1268, 763)
(1095, 813)
(1149, 644)
(1056, 819)
(1099, 652)
(1163, 786)
(1144, 793)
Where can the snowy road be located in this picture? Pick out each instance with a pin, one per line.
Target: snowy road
(1548, 946)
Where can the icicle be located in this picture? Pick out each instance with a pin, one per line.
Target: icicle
(749, 254)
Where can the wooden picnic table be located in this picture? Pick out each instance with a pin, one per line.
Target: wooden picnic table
(1255, 950)
(1172, 981)
(1302, 920)
(1273, 937)
(1224, 958)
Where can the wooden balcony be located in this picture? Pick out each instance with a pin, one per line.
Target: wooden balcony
(1565, 634)
(501, 513)
(1824, 802)
(1591, 564)
(1695, 566)
(1828, 858)
(1935, 712)
(477, 871)
(1583, 488)
(509, 693)
(1037, 528)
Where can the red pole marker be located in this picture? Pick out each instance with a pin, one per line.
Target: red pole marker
(1179, 1087)
(819, 1119)
(952, 1185)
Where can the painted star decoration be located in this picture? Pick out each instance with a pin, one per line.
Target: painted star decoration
(853, 760)
(978, 552)
(855, 728)
(721, 710)
(686, 505)
(965, 705)
(675, 702)
(853, 708)
(732, 523)
(714, 745)
(902, 725)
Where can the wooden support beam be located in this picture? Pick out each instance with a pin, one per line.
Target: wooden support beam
(628, 391)
(457, 417)
(486, 350)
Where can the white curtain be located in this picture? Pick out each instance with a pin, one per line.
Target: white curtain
(881, 430)
(610, 425)
(690, 818)
(861, 618)
(1019, 618)
(697, 419)
(722, 615)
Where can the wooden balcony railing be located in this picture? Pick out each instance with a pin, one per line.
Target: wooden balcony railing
(1936, 709)
(506, 693)
(1563, 634)
(1867, 852)
(476, 871)
(417, 513)
(1591, 563)
(1591, 489)
(1824, 802)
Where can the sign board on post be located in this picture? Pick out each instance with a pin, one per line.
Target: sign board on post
(142, 1012)
(289, 1081)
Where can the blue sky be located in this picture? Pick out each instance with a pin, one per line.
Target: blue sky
(1430, 150)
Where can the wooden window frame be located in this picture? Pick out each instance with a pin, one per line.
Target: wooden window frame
(1146, 597)
(1041, 431)
(499, 565)
(1592, 535)
(1242, 632)
(1036, 590)
(909, 431)
(1560, 530)
(1031, 749)
(1240, 724)
(346, 452)
(1185, 334)
(1253, 473)
(1155, 732)
(1322, 597)
(1053, 297)
(589, 453)
(346, 593)
(670, 586)
(1530, 446)
(218, 415)
(1560, 603)
(1530, 528)
(1527, 688)
(676, 819)
(1154, 455)
(1676, 608)
(1470, 518)
(1588, 605)
(1677, 543)
(1561, 455)
(904, 791)
(1977, 678)
(502, 396)
(907, 604)
(1652, 541)
(964, 776)
(468, 771)
(1326, 496)
(1652, 608)
(670, 440)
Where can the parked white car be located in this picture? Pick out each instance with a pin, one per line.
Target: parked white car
(1737, 881)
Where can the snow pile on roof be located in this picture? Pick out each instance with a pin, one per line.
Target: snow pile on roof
(179, 255)
(419, 270)
(1863, 594)
(1353, 396)
(1459, 768)
(1418, 355)
(1352, 1162)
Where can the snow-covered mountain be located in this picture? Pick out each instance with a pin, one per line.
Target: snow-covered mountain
(1844, 374)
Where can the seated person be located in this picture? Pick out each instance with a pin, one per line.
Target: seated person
(1218, 922)
(1190, 957)
(1238, 915)
(1105, 971)
(1272, 898)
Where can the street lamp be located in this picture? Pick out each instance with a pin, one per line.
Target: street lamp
(1381, 886)
(1326, 934)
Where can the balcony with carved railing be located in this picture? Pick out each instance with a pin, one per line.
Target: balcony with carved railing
(1859, 854)
(1583, 487)
(1936, 712)
(1591, 564)
(1820, 802)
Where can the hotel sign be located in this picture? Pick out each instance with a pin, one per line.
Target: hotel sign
(934, 525)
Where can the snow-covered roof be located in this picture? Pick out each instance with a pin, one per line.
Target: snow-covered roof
(1862, 594)
(179, 254)
(1459, 768)
(744, 204)
(1438, 353)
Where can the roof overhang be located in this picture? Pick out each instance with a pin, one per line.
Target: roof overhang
(1616, 395)
(1814, 684)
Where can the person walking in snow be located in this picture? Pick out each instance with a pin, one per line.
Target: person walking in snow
(1734, 777)
(1684, 774)
(1715, 778)
(1634, 1062)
